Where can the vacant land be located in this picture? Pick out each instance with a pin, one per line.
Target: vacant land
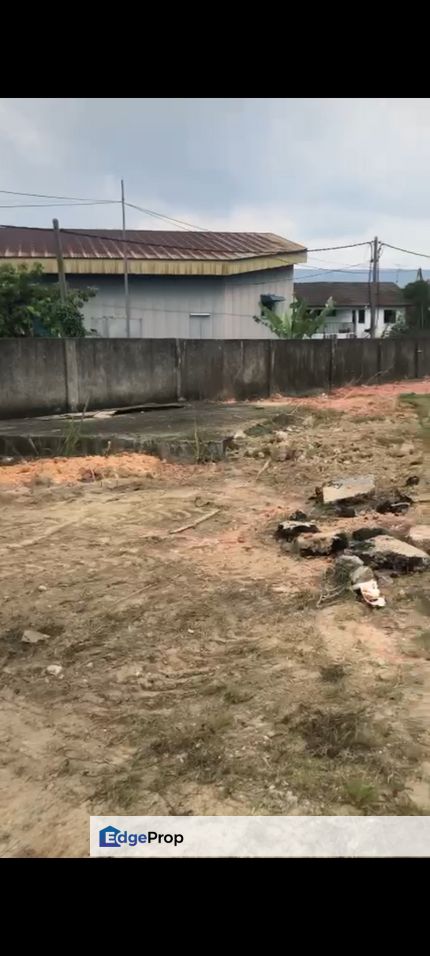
(204, 670)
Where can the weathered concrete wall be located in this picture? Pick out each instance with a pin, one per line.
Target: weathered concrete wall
(32, 377)
(43, 376)
(299, 366)
(125, 372)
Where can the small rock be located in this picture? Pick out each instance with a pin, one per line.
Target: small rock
(298, 516)
(280, 589)
(360, 575)
(33, 637)
(325, 542)
(363, 534)
(292, 529)
(239, 434)
(282, 436)
(419, 535)
(42, 587)
(400, 451)
(412, 480)
(282, 452)
(55, 669)
(345, 511)
(391, 553)
(348, 488)
(348, 563)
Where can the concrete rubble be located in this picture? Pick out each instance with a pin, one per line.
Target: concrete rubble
(282, 451)
(33, 637)
(361, 551)
(385, 551)
(324, 542)
(292, 529)
(351, 489)
(419, 536)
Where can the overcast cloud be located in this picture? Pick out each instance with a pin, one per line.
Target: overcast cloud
(318, 171)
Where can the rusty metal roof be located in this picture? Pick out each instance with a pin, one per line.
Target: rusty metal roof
(348, 294)
(27, 243)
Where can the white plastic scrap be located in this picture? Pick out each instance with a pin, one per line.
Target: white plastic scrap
(370, 593)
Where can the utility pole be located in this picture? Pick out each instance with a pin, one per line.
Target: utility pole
(126, 292)
(60, 261)
(374, 287)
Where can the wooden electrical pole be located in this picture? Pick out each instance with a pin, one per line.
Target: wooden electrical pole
(60, 261)
(124, 237)
(374, 287)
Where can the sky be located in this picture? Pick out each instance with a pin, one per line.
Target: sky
(321, 172)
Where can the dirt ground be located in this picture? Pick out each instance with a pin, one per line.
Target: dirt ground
(207, 671)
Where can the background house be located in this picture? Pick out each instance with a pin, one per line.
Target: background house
(182, 284)
(351, 312)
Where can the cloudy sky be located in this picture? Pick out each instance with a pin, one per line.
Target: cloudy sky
(319, 171)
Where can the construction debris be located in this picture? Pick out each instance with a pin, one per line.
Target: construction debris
(351, 489)
(33, 637)
(370, 593)
(345, 511)
(400, 451)
(282, 451)
(345, 564)
(391, 553)
(289, 530)
(397, 507)
(419, 536)
(363, 534)
(324, 542)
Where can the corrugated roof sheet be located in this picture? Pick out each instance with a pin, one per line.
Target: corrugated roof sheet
(348, 294)
(27, 243)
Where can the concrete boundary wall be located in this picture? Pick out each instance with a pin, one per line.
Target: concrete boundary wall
(44, 376)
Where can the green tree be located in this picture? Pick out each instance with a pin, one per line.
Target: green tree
(30, 307)
(298, 322)
(416, 317)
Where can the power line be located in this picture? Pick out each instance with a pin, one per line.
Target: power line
(330, 271)
(351, 245)
(159, 215)
(423, 255)
(11, 192)
(43, 205)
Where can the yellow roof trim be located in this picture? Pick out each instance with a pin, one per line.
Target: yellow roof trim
(162, 267)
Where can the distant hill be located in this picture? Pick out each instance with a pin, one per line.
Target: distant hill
(400, 276)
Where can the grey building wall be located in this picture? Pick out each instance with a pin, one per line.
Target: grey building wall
(184, 307)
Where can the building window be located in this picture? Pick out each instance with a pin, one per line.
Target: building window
(361, 316)
(389, 316)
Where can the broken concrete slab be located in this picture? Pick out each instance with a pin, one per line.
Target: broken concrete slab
(392, 507)
(33, 637)
(391, 553)
(351, 489)
(363, 534)
(292, 529)
(324, 542)
(419, 536)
